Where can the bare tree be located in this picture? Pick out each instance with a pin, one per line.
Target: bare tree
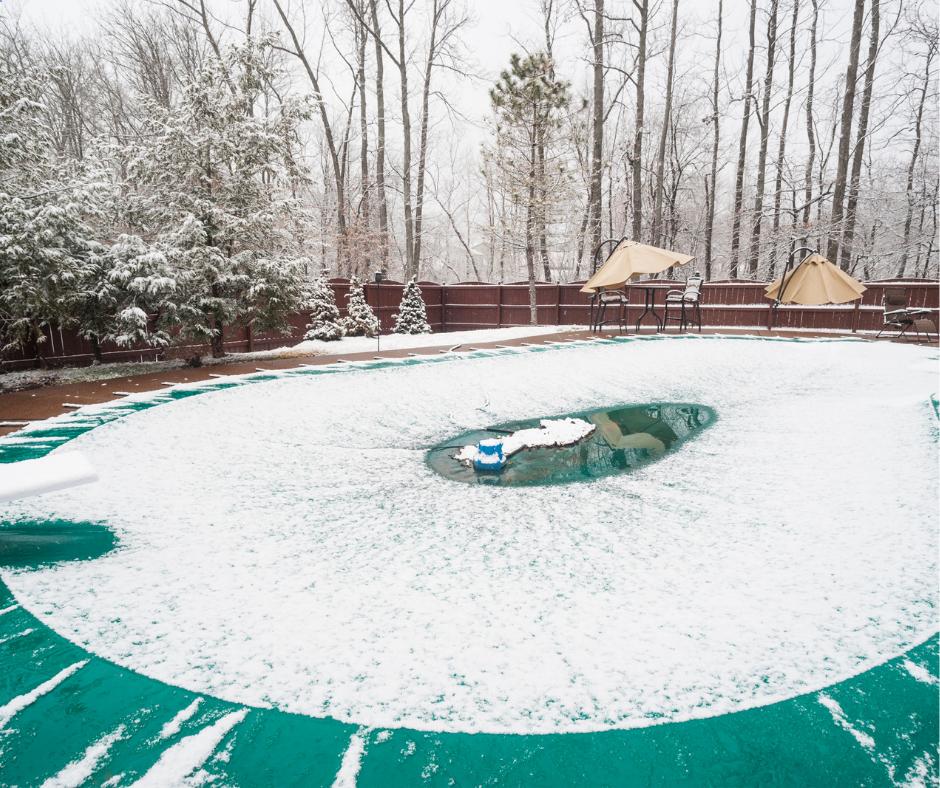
(636, 160)
(810, 118)
(782, 147)
(380, 132)
(849, 234)
(930, 37)
(845, 137)
(742, 147)
(597, 138)
(711, 184)
(763, 119)
(337, 166)
(656, 232)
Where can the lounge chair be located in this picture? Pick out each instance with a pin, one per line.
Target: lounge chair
(898, 316)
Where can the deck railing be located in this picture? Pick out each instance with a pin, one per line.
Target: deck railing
(478, 305)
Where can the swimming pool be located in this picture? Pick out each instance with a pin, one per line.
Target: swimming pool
(285, 546)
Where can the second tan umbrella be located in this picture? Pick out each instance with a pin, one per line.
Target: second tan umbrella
(631, 259)
(816, 281)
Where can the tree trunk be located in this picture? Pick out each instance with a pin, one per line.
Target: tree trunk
(710, 217)
(35, 343)
(850, 216)
(423, 144)
(96, 349)
(782, 148)
(636, 160)
(845, 138)
(753, 255)
(410, 267)
(327, 130)
(656, 232)
(380, 141)
(543, 203)
(218, 339)
(810, 130)
(597, 153)
(582, 231)
(913, 166)
(529, 231)
(742, 149)
(363, 127)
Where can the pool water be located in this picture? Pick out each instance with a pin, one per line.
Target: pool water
(625, 438)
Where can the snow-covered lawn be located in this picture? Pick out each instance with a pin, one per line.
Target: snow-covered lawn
(286, 544)
(408, 341)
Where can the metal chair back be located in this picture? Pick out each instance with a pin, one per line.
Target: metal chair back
(895, 299)
(693, 287)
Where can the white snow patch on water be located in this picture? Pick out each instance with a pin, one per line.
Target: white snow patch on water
(8, 609)
(19, 703)
(287, 543)
(186, 756)
(550, 432)
(920, 673)
(352, 760)
(75, 774)
(839, 716)
(174, 725)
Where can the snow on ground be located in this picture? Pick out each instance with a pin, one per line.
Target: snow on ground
(315, 347)
(286, 543)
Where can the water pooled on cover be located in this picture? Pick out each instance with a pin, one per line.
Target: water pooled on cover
(625, 438)
(27, 543)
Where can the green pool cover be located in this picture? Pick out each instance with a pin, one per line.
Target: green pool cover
(103, 725)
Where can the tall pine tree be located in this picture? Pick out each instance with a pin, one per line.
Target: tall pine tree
(46, 245)
(212, 182)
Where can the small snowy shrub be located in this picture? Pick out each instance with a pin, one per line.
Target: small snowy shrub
(361, 320)
(412, 317)
(325, 323)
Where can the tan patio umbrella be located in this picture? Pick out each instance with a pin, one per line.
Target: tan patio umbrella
(816, 281)
(630, 259)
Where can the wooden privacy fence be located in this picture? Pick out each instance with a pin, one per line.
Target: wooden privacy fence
(476, 305)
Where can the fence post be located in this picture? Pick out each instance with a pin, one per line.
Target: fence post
(499, 305)
(251, 338)
(558, 304)
(858, 304)
(443, 309)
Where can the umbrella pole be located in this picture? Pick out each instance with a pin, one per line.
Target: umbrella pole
(784, 281)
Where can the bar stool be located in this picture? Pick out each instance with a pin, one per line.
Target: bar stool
(615, 298)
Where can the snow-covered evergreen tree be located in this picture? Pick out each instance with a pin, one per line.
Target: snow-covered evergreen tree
(213, 179)
(46, 245)
(360, 320)
(412, 318)
(325, 323)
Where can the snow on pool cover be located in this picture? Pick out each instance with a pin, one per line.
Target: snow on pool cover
(286, 544)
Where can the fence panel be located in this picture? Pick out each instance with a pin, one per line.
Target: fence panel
(479, 305)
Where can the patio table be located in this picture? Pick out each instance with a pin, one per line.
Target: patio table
(649, 302)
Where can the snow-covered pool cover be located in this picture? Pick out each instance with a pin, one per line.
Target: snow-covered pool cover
(285, 543)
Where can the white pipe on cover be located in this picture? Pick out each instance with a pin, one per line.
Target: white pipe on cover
(47, 474)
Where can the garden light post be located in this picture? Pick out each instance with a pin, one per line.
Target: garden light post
(379, 276)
